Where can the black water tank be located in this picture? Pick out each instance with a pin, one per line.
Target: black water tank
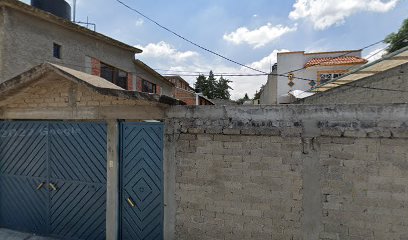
(59, 8)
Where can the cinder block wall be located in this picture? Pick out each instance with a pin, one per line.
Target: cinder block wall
(288, 172)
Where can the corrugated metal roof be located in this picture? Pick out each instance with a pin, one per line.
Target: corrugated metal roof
(389, 61)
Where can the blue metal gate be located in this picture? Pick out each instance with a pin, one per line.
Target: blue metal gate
(53, 175)
(142, 181)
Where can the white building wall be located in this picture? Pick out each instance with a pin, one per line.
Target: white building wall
(288, 62)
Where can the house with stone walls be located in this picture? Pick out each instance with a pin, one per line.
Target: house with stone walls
(187, 94)
(30, 36)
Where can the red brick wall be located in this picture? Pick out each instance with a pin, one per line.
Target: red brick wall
(139, 84)
(130, 82)
(96, 67)
(188, 97)
(158, 90)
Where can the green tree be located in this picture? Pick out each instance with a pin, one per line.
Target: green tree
(398, 40)
(213, 88)
(244, 99)
(258, 94)
(222, 88)
(201, 84)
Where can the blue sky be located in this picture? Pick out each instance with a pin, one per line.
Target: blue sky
(251, 32)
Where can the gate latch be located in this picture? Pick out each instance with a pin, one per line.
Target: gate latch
(52, 187)
(40, 186)
(131, 203)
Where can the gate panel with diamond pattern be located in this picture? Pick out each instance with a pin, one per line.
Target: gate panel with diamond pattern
(78, 172)
(23, 167)
(53, 178)
(142, 181)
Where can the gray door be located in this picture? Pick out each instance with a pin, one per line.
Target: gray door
(142, 181)
(54, 176)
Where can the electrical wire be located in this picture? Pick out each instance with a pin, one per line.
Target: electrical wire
(331, 59)
(231, 60)
(190, 41)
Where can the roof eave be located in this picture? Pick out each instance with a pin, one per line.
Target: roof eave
(22, 7)
(152, 71)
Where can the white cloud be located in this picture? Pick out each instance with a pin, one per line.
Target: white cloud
(163, 56)
(166, 51)
(139, 22)
(258, 37)
(375, 54)
(265, 63)
(326, 13)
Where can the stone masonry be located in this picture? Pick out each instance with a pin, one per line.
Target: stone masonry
(290, 172)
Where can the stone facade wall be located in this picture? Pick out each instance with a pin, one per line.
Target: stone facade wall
(289, 172)
(368, 90)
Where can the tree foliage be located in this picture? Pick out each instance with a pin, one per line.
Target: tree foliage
(244, 99)
(259, 93)
(398, 40)
(213, 88)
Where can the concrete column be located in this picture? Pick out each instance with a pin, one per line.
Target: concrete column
(112, 192)
(169, 168)
(312, 196)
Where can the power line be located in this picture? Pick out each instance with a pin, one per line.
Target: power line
(331, 59)
(184, 75)
(189, 41)
(372, 55)
(226, 75)
(228, 59)
(348, 52)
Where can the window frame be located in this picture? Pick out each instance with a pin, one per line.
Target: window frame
(153, 86)
(57, 50)
(115, 75)
(331, 73)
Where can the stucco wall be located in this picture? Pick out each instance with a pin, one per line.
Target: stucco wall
(29, 42)
(269, 94)
(288, 62)
(361, 91)
(140, 74)
(288, 172)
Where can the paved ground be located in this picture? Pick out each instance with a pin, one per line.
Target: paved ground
(6, 234)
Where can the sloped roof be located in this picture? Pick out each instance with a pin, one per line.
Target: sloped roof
(20, 6)
(93, 80)
(96, 83)
(152, 71)
(332, 61)
(387, 62)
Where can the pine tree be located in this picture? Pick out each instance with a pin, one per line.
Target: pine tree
(213, 88)
(201, 84)
(222, 89)
(244, 99)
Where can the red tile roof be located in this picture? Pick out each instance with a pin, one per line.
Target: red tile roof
(330, 61)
